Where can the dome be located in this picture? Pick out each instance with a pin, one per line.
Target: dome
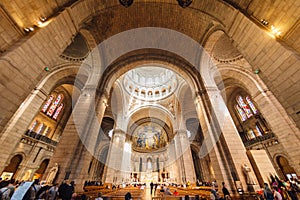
(150, 82)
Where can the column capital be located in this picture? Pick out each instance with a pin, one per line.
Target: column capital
(89, 90)
(212, 89)
(119, 133)
(181, 133)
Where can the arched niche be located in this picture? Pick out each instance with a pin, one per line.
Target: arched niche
(11, 169)
(197, 165)
(287, 170)
(41, 170)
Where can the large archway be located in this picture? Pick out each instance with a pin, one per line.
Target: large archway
(286, 169)
(12, 168)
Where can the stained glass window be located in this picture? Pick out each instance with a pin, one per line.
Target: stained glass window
(46, 131)
(251, 134)
(244, 106)
(258, 130)
(54, 105)
(33, 125)
(48, 102)
(241, 113)
(253, 108)
(58, 110)
(40, 128)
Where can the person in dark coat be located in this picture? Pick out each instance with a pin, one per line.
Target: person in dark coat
(65, 191)
(225, 191)
(151, 187)
(128, 196)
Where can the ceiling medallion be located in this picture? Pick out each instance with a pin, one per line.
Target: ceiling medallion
(184, 3)
(126, 3)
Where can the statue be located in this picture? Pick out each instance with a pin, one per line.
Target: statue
(52, 173)
(247, 170)
(27, 175)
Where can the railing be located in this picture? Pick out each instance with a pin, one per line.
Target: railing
(260, 139)
(40, 137)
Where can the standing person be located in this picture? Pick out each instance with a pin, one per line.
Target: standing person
(225, 191)
(151, 187)
(11, 186)
(212, 195)
(128, 196)
(32, 191)
(155, 187)
(52, 194)
(43, 193)
(4, 191)
(65, 190)
(214, 188)
(276, 194)
(268, 195)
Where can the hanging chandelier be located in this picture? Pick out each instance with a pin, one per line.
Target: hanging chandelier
(184, 3)
(126, 3)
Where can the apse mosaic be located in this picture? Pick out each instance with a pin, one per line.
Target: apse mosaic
(149, 136)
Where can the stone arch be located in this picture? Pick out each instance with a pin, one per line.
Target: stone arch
(186, 99)
(141, 57)
(156, 115)
(108, 123)
(13, 165)
(284, 166)
(91, 42)
(253, 85)
(196, 160)
(212, 37)
(116, 102)
(65, 73)
(42, 168)
(102, 158)
(193, 125)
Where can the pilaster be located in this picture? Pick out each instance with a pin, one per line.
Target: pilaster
(115, 157)
(184, 155)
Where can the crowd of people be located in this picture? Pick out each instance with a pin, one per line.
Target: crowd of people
(93, 183)
(7, 188)
(276, 190)
(37, 191)
(281, 190)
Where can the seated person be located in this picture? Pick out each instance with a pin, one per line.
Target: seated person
(99, 196)
(175, 193)
(168, 192)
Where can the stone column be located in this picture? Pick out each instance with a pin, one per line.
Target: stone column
(204, 164)
(77, 144)
(115, 157)
(283, 127)
(225, 147)
(184, 154)
(89, 137)
(126, 161)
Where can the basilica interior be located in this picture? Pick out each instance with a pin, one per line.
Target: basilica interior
(140, 91)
